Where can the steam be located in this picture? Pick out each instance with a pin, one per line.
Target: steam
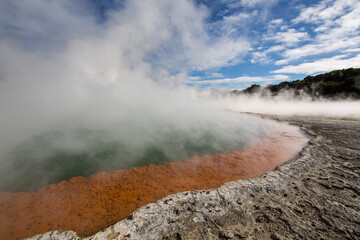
(106, 95)
(284, 104)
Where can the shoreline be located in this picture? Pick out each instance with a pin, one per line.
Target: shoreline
(313, 196)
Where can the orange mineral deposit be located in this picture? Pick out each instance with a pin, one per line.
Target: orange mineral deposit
(87, 205)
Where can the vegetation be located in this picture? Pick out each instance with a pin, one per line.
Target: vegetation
(343, 83)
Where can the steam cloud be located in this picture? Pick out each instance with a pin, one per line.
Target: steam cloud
(74, 88)
(284, 104)
(109, 91)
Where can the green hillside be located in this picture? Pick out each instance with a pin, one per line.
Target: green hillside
(333, 85)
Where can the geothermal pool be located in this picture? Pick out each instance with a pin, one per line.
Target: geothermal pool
(62, 152)
(89, 203)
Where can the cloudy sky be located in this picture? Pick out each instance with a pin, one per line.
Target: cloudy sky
(203, 43)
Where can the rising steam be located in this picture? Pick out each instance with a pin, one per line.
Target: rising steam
(102, 98)
(285, 103)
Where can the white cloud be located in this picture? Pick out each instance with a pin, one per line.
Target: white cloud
(216, 75)
(253, 3)
(196, 78)
(351, 50)
(275, 48)
(290, 37)
(282, 62)
(323, 65)
(236, 18)
(233, 25)
(235, 4)
(336, 28)
(284, 27)
(245, 12)
(259, 57)
(278, 21)
(344, 26)
(325, 11)
(223, 52)
(275, 24)
(321, 47)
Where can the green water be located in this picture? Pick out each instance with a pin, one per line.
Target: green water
(55, 156)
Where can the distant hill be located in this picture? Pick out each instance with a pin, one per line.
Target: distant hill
(336, 84)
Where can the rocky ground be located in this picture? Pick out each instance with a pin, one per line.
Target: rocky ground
(315, 196)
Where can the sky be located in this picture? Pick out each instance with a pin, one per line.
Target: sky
(201, 43)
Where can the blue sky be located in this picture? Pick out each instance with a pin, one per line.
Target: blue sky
(206, 43)
(288, 40)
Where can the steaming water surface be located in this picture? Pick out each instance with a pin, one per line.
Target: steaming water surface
(53, 156)
(87, 205)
